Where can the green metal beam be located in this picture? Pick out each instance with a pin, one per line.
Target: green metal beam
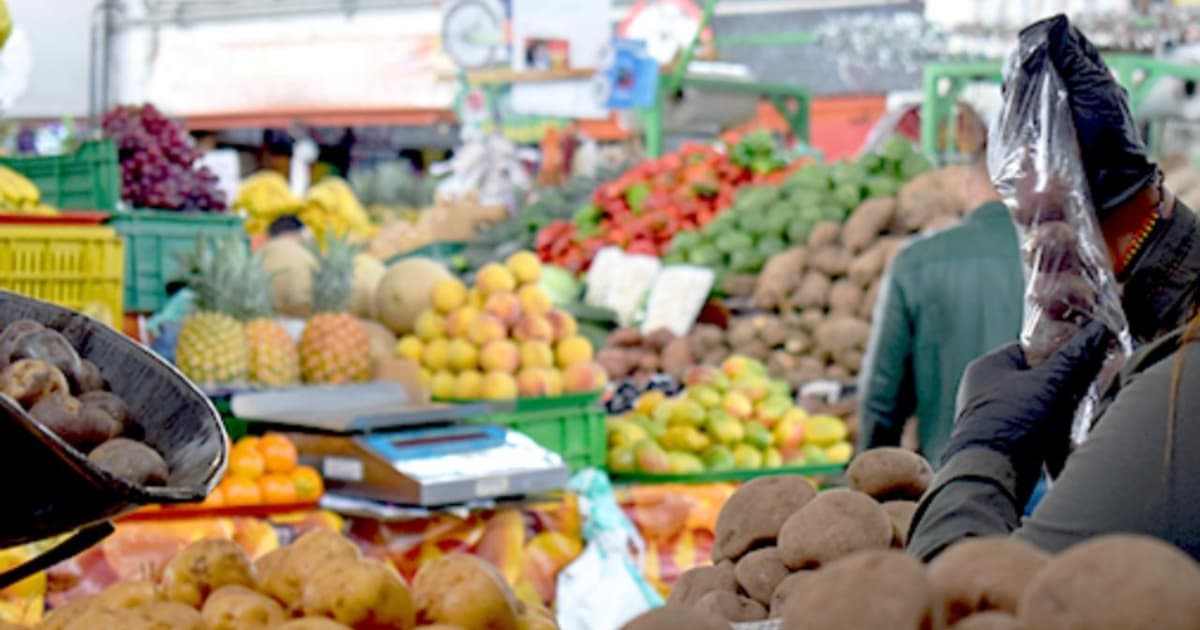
(799, 38)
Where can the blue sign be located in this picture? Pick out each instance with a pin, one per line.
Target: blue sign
(631, 76)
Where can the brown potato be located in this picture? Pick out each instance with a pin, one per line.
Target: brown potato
(53, 348)
(675, 617)
(132, 461)
(896, 595)
(29, 380)
(116, 619)
(731, 607)
(127, 595)
(108, 403)
(759, 572)
(60, 617)
(364, 594)
(835, 524)
(66, 417)
(988, 621)
(87, 379)
(312, 623)
(1053, 247)
(1066, 297)
(754, 513)
(901, 513)
(982, 574)
(203, 567)
(464, 590)
(792, 584)
(236, 607)
(171, 616)
(698, 581)
(1117, 581)
(890, 474)
(11, 335)
(285, 571)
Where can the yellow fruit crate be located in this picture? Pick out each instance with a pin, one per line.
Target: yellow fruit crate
(80, 267)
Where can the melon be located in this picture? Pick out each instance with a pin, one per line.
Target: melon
(405, 290)
(383, 342)
(290, 265)
(368, 270)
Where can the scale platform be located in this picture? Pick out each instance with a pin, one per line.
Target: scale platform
(369, 441)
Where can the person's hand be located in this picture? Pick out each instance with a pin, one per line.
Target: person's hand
(1025, 413)
(1115, 159)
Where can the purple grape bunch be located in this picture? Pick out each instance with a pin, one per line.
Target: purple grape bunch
(158, 162)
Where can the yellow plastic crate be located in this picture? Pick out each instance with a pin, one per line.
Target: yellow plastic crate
(80, 267)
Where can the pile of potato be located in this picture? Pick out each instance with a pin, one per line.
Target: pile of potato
(827, 289)
(43, 373)
(835, 559)
(630, 354)
(320, 582)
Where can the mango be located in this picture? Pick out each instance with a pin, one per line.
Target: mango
(494, 278)
(505, 307)
(824, 430)
(461, 355)
(429, 325)
(737, 405)
(839, 453)
(746, 457)
(726, 430)
(534, 300)
(814, 455)
(621, 459)
(680, 463)
(684, 438)
(754, 387)
(650, 457)
(758, 436)
(624, 432)
(789, 433)
(771, 410)
(448, 294)
(706, 395)
(772, 458)
(718, 458)
(562, 323)
(524, 267)
(468, 385)
(648, 401)
(687, 412)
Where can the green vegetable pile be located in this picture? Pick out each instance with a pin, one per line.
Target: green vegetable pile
(765, 220)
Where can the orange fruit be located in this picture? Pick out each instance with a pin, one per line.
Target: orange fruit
(308, 482)
(215, 499)
(277, 489)
(249, 441)
(240, 490)
(246, 461)
(278, 453)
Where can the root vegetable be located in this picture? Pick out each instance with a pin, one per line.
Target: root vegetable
(772, 331)
(900, 595)
(845, 298)
(868, 266)
(677, 357)
(88, 379)
(731, 607)
(867, 222)
(753, 515)
(901, 513)
(127, 595)
(648, 363)
(788, 587)
(53, 348)
(108, 403)
(466, 591)
(171, 616)
(705, 338)
(203, 567)
(939, 223)
(813, 291)
(625, 338)
(1053, 247)
(840, 334)
(699, 581)
(1064, 296)
(833, 261)
(866, 311)
(759, 572)
(12, 334)
(617, 363)
(1046, 338)
(920, 199)
(740, 285)
(781, 364)
(851, 360)
(132, 461)
(757, 350)
(982, 574)
(835, 524)
(27, 381)
(361, 594)
(312, 623)
(674, 617)
(778, 277)
(890, 474)
(742, 332)
(823, 235)
(715, 357)
(659, 339)
(811, 318)
(891, 247)
(797, 343)
(239, 608)
(284, 573)
(65, 416)
(1118, 581)
(988, 621)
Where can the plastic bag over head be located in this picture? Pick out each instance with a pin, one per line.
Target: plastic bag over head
(1035, 163)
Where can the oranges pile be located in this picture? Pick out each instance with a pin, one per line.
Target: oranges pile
(264, 471)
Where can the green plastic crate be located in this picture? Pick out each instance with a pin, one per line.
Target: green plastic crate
(88, 178)
(571, 425)
(154, 241)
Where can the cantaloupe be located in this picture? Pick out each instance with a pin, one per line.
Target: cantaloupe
(405, 290)
(291, 266)
(368, 271)
(383, 342)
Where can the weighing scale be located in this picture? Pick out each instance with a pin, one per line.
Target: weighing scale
(370, 441)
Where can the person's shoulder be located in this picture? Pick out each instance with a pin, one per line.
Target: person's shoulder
(981, 232)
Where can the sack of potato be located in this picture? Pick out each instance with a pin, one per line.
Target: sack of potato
(834, 559)
(319, 582)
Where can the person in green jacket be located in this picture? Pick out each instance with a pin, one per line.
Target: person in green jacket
(947, 299)
(1138, 471)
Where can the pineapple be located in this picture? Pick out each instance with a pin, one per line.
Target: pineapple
(211, 348)
(335, 346)
(272, 354)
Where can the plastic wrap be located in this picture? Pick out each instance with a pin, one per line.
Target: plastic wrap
(1035, 164)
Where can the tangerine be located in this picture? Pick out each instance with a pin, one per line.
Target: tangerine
(279, 454)
(215, 499)
(246, 461)
(277, 489)
(248, 441)
(240, 490)
(308, 482)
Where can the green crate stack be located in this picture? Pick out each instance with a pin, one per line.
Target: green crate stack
(154, 242)
(88, 178)
(571, 425)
